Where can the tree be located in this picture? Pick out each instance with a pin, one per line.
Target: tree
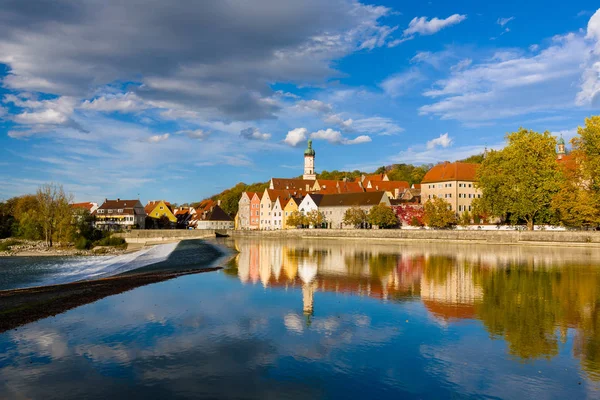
(410, 214)
(315, 218)
(382, 216)
(355, 216)
(54, 207)
(465, 219)
(296, 218)
(519, 181)
(437, 214)
(578, 201)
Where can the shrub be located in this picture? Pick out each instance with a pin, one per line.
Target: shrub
(7, 244)
(110, 241)
(82, 243)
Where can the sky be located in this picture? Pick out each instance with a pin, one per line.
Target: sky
(180, 100)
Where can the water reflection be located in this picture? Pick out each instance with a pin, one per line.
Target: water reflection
(329, 319)
(530, 297)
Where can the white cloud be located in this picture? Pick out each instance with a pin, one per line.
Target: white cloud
(254, 134)
(359, 139)
(423, 26)
(198, 134)
(443, 141)
(46, 112)
(399, 84)
(462, 64)
(41, 117)
(126, 102)
(336, 137)
(313, 105)
(336, 119)
(157, 138)
(534, 47)
(512, 84)
(504, 21)
(296, 136)
(589, 93)
(376, 125)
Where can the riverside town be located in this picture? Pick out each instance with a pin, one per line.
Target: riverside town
(299, 200)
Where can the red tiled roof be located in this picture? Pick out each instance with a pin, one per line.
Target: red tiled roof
(388, 185)
(375, 177)
(87, 206)
(349, 199)
(291, 184)
(456, 171)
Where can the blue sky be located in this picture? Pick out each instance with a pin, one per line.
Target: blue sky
(182, 101)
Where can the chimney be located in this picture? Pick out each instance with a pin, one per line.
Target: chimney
(118, 199)
(219, 203)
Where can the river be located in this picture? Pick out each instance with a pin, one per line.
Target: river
(329, 319)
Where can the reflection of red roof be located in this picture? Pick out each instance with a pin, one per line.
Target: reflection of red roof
(448, 311)
(456, 171)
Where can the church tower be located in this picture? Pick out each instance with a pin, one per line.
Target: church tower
(561, 148)
(309, 163)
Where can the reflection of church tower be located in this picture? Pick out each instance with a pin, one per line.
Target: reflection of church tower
(308, 272)
(309, 163)
(308, 298)
(561, 148)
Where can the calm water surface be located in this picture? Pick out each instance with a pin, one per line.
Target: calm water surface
(330, 319)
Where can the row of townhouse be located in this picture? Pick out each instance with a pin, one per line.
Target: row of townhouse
(269, 210)
(122, 214)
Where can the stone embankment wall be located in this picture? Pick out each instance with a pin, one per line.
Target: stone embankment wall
(548, 238)
(164, 235)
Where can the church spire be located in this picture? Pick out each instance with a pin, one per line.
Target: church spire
(309, 163)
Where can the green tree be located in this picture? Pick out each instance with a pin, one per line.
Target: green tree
(296, 218)
(578, 201)
(53, 209)
(382, 216)
(355, 216)
(437, 214)
(465, 219)
(519, 181)
(315, 218)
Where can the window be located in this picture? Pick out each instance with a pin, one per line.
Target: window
(156, 214)
(469, 208)
(110, 211)
(161, 207)
(470, 185)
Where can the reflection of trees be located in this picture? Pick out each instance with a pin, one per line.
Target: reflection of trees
(519, 305)
(382, 265)
(529, 306)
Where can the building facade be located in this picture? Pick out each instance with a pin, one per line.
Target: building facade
(243, 215)
(334, 206)
(120, 214)
(453, 182)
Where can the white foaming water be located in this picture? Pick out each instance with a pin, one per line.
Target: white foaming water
(86, 268)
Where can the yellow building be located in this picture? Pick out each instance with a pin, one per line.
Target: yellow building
(159, 208)
(290, 207)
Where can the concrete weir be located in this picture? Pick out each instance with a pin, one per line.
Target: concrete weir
(148, 236)
(535, 238)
